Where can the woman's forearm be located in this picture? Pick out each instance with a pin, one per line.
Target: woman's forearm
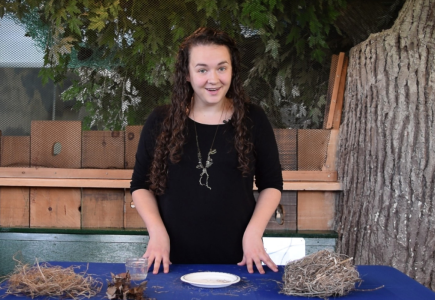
(267, 202)
(158, 247)
(146, 206)
(253, 249)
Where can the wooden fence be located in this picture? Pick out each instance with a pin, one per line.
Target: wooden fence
(60, 177)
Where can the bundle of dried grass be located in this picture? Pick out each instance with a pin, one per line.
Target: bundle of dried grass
(51, 281)
(322, 274)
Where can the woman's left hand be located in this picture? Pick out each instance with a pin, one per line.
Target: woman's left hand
(254, 253)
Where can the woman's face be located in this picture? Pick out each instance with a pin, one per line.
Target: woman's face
(209, 73)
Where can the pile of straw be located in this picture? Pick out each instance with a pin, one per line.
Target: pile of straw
(322, 274)
(51, 281)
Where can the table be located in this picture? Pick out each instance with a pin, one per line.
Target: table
(397, 285)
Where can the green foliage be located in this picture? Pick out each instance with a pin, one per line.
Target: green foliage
(110, 99)
(110, 43)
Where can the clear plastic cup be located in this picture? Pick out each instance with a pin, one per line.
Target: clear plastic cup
(137, 267)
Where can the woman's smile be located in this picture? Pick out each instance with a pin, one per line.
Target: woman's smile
(213, 91)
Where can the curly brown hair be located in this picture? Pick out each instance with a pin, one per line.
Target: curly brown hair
(171, 139)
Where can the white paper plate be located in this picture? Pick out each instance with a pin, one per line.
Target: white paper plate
(210, 279)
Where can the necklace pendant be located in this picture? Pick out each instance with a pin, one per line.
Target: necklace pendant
(204, 172)
(208, 162)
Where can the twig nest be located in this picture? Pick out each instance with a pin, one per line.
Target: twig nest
(322, 274)
(51, 281)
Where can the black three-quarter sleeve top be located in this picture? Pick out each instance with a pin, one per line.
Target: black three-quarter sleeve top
(206, 226)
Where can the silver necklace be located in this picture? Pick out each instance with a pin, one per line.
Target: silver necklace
(209, 161)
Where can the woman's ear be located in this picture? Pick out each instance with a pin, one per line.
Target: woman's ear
(188, 78)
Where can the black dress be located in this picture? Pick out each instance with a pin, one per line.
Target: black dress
(207, 226)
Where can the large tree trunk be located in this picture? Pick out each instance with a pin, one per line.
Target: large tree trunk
(386, 213)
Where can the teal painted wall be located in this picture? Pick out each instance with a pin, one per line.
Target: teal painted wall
(67, 247)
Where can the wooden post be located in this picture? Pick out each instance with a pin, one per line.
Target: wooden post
(335, 90)
(340, 97)
(331, 154)
(0, 147)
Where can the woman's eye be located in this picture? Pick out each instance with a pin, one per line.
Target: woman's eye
(222, 69)
(202, 71)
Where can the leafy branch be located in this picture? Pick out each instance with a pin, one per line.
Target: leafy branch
(115, 45)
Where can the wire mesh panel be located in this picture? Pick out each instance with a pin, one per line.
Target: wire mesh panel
(132, 135)
(118, 103)
(312, 148)
(14, 151)
(286, 140)
(316, 210)
(56, 144)
(23, 98)
(103, 149)
(285, 216)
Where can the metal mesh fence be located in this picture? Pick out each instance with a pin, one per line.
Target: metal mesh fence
(287, 148)
(55, 144)
(285, 217)
(103, 149)
(302, 149)
(39, 127)
(312, 147)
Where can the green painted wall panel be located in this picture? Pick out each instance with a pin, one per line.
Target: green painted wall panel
(58, 247)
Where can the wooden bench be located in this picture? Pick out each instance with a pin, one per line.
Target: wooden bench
(105, 244)
(110, 178)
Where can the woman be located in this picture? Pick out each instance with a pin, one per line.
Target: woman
(197, 157)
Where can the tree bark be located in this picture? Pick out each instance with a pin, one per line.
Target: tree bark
(386, 159)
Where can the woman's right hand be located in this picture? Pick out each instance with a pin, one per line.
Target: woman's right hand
(158, 251)
(158, 245)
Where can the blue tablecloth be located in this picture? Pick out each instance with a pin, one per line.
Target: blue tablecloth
(397, 285)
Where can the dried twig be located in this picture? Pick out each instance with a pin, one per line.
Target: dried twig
(120, 288)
